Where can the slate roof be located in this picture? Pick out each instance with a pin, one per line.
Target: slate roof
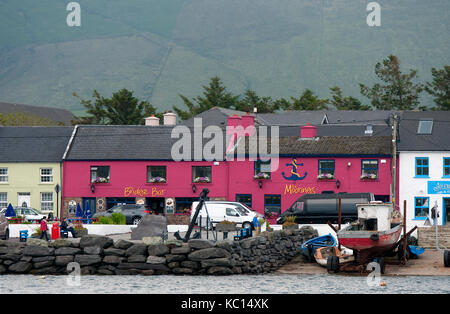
(214, 116)
(438, 140)
(338, 130)
(330, 146)
(33, 144)
(57, 115)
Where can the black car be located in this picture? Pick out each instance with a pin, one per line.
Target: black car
(321, 208)
(132, 212)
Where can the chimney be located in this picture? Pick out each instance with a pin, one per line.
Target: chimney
(170, 118)
(308, 131)
(233, 122)
(369, 130)
(152, 121)
(248, 121)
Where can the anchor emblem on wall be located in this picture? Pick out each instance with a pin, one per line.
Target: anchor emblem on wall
(295, 175)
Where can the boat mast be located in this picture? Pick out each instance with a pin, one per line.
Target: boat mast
(394, 160)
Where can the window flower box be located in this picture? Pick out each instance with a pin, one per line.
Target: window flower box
(369, 176)
(261, 176)
(202, 180)
(325, 176)
(157, 180)
(100, 180)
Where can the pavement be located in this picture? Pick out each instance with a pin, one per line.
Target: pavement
(430, 263)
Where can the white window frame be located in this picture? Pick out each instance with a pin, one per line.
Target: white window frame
(46, 175)
(3, 203)
(46, 202)
(2, 175)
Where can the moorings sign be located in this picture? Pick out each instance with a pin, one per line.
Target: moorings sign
(438, 187)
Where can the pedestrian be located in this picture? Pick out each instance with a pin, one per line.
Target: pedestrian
(256, 225)
(68, 226)
(44, 228)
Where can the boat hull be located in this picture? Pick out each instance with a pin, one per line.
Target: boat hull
(370, 241)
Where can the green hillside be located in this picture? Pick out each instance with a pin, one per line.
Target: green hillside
(161, 48)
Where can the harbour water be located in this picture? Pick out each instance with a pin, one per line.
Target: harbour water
(277, 284)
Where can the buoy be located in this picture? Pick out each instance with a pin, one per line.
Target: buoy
(383, 284)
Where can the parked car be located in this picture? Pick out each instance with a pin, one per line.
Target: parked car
(321, 208)
(219, 211)
(30, 214)
(133, 212)
(4, 227)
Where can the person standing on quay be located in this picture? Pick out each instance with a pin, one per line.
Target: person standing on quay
(44, 228)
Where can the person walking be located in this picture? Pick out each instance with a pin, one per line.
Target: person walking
(44, 229)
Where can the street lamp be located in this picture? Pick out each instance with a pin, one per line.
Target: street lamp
(57, 189)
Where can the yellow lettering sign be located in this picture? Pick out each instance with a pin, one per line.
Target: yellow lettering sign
(296, 189)
(130, 191)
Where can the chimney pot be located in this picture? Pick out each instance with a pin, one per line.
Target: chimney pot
(152, 121)
(308, 131)
(170, 118)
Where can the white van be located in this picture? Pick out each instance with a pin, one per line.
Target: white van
(219, 211)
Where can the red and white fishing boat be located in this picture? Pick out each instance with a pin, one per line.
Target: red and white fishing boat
(374, 234)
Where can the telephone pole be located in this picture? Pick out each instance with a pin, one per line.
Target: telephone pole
(394, 160)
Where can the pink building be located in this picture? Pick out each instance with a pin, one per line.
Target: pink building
(106, 165)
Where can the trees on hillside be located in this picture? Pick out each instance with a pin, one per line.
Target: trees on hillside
(345, 103)
(24, 119)
(439, 88)
(121, 109)
(397, 90)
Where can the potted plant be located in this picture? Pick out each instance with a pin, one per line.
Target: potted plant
(157, 180)
(289, 223)
(101, 180)
(79, 229)
(261, 176)
(369, 176)
(202, 180)
(325, 176)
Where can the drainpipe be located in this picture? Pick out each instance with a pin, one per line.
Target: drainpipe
(62, 174)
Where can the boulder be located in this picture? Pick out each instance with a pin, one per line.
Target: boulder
(174, 243)
(143, 266)
(225, 262)
(137, 259)
(114, 251)
(35, 250)
(173, 265)
(156, 260)
(150, 226)
(37, 242)
(248, 243)
(87, 260)
(63, 260)
(199, 244)
(219, 271)
(67, 251)
(123, 244)
(175, 258)
(113, 259)
(190, 264)
(41, 259)
(93, 250)
(96, 240)
(225, 244)
(137, 249)
(2, 269)
(182, 271)
(58, 243)
(158, 250)
(152, 240)
(20, 267)
(42, 264)
(208, 253)
(180, 250)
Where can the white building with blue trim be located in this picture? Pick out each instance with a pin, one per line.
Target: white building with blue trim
(424, 166)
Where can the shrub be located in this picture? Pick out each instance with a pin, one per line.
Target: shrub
(118, 219)
(105, 220)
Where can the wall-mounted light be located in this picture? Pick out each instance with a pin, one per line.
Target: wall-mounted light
(194, 188)
(349, 164)
(260, 184)
(92, 188)
(338, 183)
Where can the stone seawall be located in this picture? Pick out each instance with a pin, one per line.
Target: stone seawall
(101, 255)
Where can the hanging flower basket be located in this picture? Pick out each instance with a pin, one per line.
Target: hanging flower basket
(325, 176)
(157, 180)
(100, 180)
(369, 176)
(202, 180)
(261, 176)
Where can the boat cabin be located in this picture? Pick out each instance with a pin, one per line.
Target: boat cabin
(375, 216)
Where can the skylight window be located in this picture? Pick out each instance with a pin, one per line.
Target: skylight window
(425, 127)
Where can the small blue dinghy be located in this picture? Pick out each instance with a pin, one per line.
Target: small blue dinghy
(416, 250)
(309, 247)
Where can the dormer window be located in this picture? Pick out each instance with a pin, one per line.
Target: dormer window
(425, 127)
